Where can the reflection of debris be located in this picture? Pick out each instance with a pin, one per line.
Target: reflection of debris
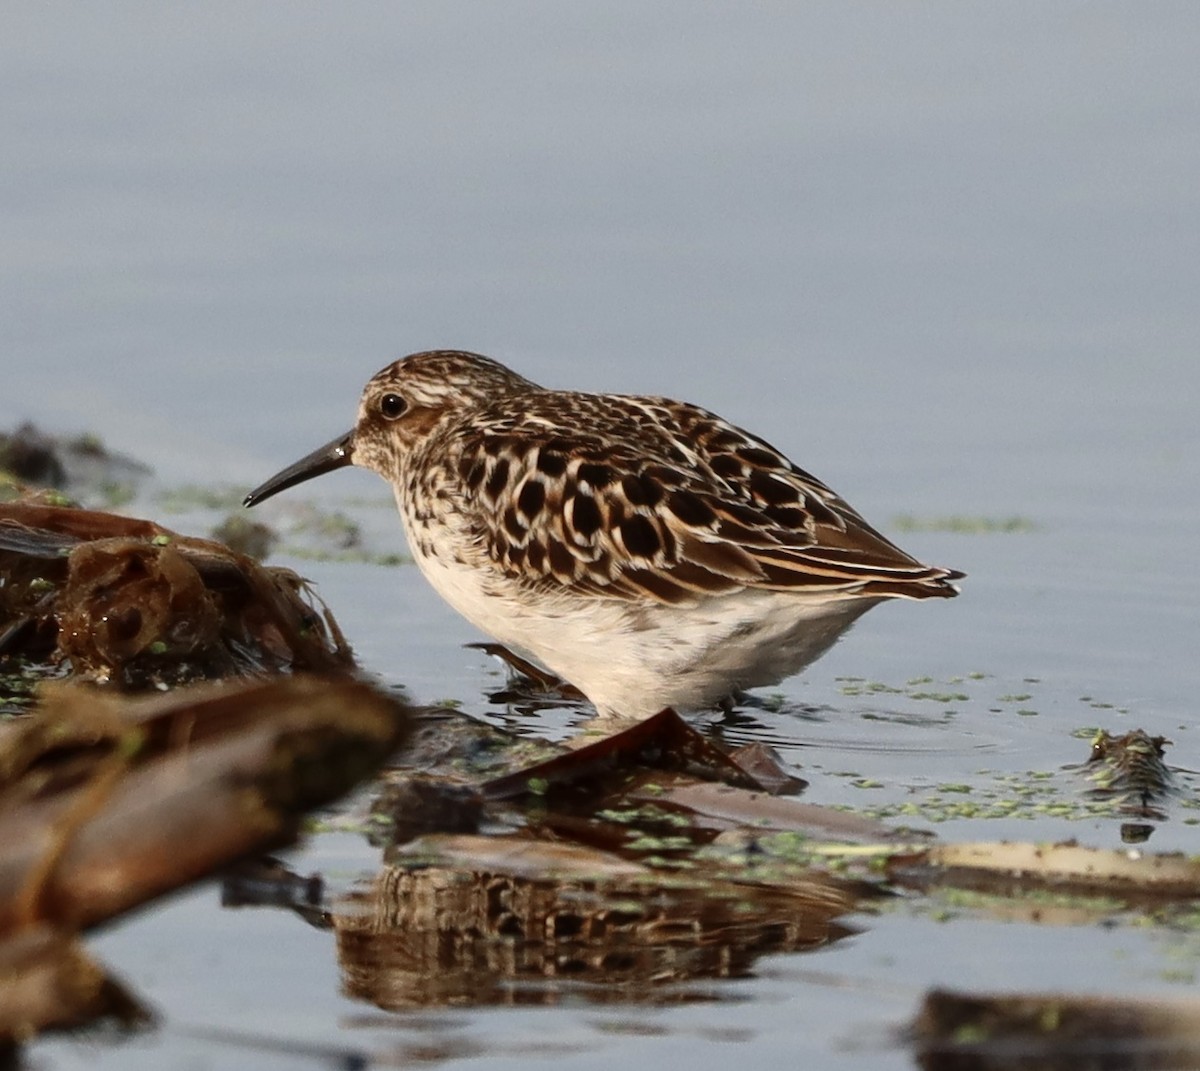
(596, 877)
(1051, 1032)
(513, 920)
(106, 802)
(128, 601)
(47, 980)
(613, 828)
(266, 882)
(1128, 770)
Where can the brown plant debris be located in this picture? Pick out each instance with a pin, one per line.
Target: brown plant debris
(128, 601)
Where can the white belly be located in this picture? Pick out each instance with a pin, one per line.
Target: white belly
(632, 659)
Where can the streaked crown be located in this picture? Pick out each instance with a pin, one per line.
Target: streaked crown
(405, 401)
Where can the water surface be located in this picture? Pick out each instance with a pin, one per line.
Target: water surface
(944, 256)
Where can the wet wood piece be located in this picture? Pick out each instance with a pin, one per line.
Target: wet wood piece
(437, 789)
(108, 804)
(1002, 866)
(28, 526)
(128, 601)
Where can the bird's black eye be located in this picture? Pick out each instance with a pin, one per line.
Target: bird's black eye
(392, 406)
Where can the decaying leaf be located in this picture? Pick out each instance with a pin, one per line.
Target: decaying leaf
(128, 601)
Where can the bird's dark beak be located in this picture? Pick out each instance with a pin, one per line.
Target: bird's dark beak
(334, 455)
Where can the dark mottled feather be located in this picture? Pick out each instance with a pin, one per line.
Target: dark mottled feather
(642, 497)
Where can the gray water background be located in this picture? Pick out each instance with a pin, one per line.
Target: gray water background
(947, 256)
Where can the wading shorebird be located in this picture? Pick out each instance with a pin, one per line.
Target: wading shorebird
(645, 550)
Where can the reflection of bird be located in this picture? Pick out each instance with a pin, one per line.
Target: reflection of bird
(644, 549)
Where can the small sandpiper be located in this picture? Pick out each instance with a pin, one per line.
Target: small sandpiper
(644, 549)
